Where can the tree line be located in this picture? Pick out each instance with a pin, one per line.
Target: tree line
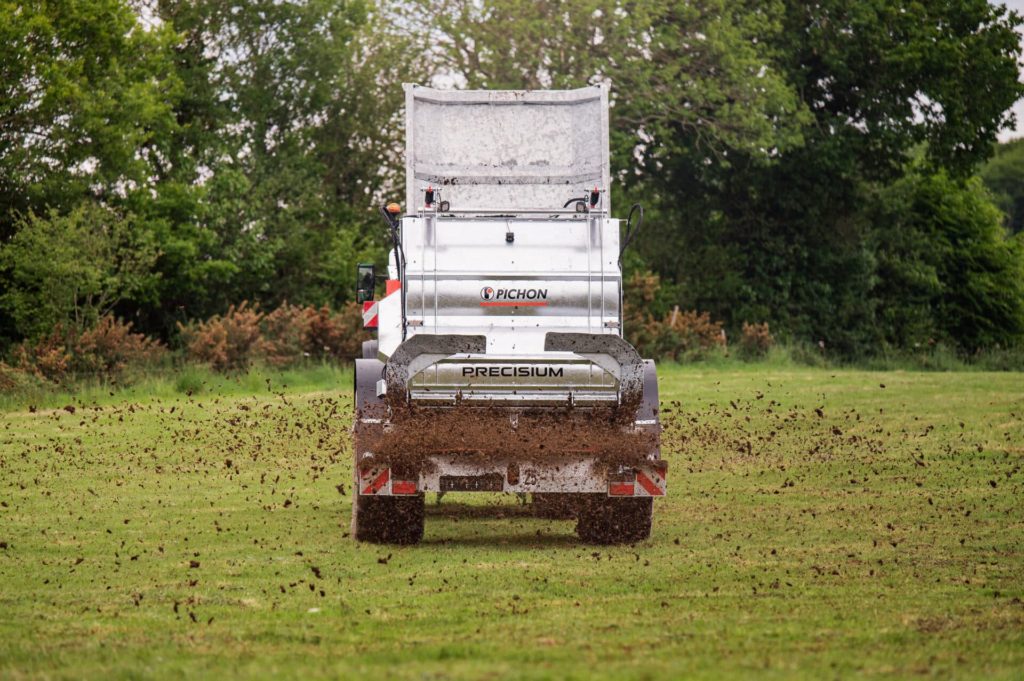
(823, 167)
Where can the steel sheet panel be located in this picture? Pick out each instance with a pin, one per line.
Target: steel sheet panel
(506, 150)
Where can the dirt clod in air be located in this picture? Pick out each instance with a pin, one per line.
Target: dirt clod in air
(414, 434)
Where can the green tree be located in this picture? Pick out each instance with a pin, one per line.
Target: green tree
(685, 76)
(883, 77)
(74, 268)
(753, 131)
(771, 143)
(86, 110)
(1004, 177)
(947, 270)
(791, 239)
(86, 97)
(289, 131)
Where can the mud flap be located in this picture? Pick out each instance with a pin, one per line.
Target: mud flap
(421, 351)
(367, 373)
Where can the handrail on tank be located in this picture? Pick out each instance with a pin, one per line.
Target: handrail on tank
(492, 212)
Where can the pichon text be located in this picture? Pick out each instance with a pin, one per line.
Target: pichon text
(516, 294)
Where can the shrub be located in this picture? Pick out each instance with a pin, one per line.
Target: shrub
(74, 268)
(191, 381)
(8, 378)
(286, 335)
(14, 380)
(47, 358)
(110, 347)
(676, 334)
(637, 318)
(228, 342)
(812, 355)
(755, 340)
(1000, 359)
(337, 336)
(689, 335)
(292, 334)
(104, 351)
(283, 337)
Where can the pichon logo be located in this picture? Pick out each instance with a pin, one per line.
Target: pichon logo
(488, 293)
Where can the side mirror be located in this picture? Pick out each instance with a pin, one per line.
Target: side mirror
(366, 279)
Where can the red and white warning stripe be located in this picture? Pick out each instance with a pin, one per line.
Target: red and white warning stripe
(648, 482)
(373, 480)
(652, 485)
(370, 310)
(379, 482)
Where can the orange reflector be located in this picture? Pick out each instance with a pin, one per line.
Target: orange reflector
(394, 208)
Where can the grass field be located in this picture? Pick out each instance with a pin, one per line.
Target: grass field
(819, 524)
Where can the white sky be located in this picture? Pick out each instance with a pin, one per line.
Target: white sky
(1019, 107)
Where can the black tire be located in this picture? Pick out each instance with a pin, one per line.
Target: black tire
(556, 506)
(388, 519)
(611, 520)
(383, 519)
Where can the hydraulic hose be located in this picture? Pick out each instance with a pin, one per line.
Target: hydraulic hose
(631, 230)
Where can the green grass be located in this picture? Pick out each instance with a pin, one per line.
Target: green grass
(186, 381)
(880, 536)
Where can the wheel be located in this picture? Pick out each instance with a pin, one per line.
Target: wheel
(387, 519)
(610, 520)
(556, 506)
(383, 519)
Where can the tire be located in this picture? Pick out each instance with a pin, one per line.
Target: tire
(556, 506)
(383, 519)
(388, 519)
(610, 520)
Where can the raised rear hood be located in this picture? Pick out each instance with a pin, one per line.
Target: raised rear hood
(505, 150)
